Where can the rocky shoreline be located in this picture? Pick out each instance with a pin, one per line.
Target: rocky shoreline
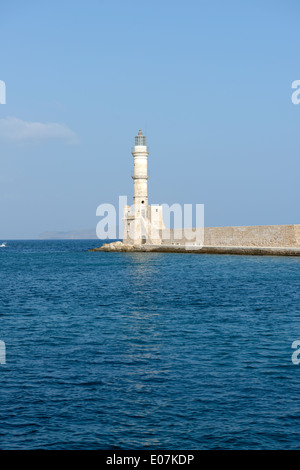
(221, 250)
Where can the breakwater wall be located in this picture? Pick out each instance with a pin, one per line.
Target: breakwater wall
(244, 236)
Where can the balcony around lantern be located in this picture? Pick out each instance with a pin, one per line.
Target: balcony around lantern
(136, 177)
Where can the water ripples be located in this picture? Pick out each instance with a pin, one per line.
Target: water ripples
(147, 351)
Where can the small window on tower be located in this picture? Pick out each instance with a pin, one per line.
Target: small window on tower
(143, 202)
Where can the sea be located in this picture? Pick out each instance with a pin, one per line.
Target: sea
(147, 351)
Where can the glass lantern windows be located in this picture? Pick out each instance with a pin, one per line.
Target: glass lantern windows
(140, 140)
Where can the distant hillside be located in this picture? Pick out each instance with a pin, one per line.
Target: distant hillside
(72, 235)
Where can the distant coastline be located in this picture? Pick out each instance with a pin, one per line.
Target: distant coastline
(71, 235)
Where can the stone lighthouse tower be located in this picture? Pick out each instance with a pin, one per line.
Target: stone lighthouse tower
(142, 223)
(140, 175)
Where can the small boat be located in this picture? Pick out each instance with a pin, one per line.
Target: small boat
(3, 245)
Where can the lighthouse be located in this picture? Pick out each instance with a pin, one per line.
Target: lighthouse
(142, 222)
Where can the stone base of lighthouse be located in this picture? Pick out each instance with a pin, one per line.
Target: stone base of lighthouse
(143, 225)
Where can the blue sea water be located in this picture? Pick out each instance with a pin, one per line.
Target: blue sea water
(147, 350)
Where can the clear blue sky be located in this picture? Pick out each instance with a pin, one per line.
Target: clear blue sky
(210, 80)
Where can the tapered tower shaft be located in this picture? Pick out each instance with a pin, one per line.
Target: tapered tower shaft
(140, 175)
